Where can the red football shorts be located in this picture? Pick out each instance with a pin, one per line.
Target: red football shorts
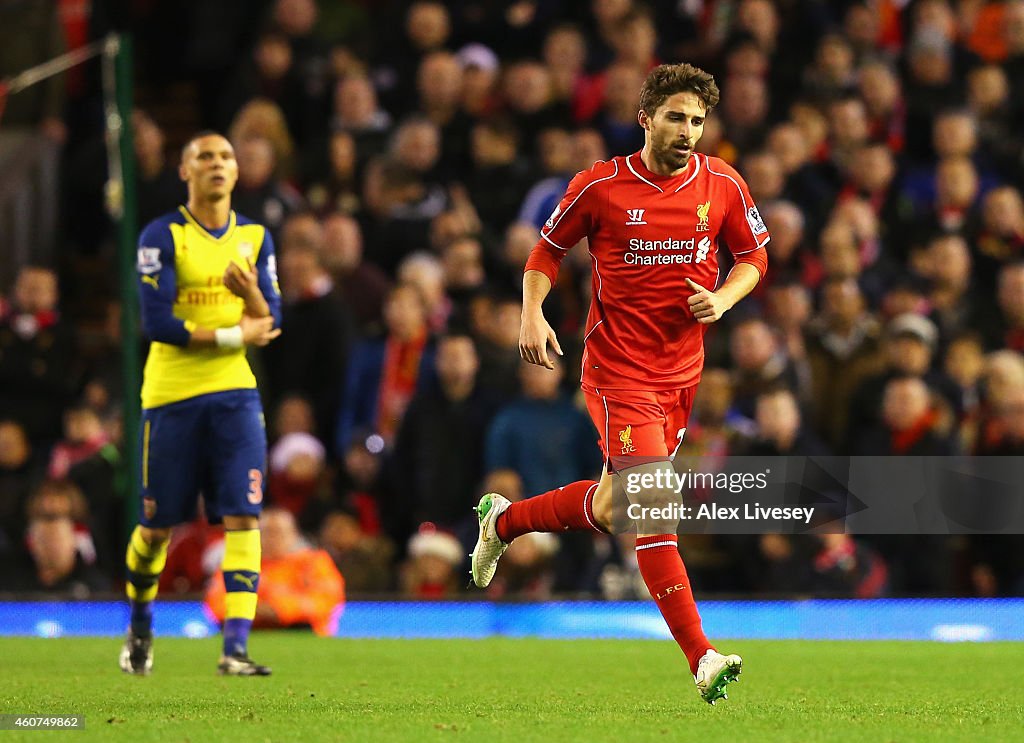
(635, 426)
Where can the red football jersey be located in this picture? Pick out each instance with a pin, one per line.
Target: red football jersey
(648, 233)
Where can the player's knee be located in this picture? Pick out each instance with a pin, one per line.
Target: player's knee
(153, 536)
(653, 501)
(603, 511)
(241, 523)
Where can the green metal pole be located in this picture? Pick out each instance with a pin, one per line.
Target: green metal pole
(127, 232)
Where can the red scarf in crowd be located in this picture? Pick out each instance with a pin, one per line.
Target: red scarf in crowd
(903, 440)
(398, 382)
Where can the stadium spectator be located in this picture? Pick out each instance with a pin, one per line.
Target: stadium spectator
(879, 88)
(330, 175)
(617, 118)
(317, 335)
(38, 356)
(964, 363)
(416, 144)
(263, 119)
(260, 195)
(270, 72)
(561, 154)
(439, 84)
(358, 112)
(765, 176)
(911, 423)
(564, 53)
(988, 97)
(302, 230)
(910, 346)
(847, 567)
(529, 102)
(437, 462)
(807, 184)
(745, 107)
(360, 489)
(1008, 330)
(500, 177)
(158, 187)
(544, 439)
(293, 414)
(716, 428)
(385, 373)
(832, 73)
(788, 309)
(295, 472)
(1000, 239)
(399, 207)
(88, 458)
(953, 300)
(780, 428)
(842, 349)
(760, 363)
(58, 556)
(362, 285)
(530, 573)
(20, 471)
(364, 559)
(432, 568)
(499, 348)
(1002, 383)
(480, 69)
(299, 586)
(542, 436)
(425, 272)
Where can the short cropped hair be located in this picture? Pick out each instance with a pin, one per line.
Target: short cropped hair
(195, 137)
(668, 79)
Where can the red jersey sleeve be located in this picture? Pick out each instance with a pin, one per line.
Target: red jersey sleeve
(743, 230)
(569, 223)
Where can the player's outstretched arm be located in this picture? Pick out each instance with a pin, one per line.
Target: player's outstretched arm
(709, 306)
(534, 331)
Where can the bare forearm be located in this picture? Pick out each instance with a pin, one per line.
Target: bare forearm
(739, 283)
(202, 338)
(536, 287)
(256, 305)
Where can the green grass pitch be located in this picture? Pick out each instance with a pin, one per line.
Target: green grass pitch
(519, 690)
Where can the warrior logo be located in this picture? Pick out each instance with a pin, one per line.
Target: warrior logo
(635, 216)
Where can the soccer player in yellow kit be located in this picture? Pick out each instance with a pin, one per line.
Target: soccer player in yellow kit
(208, 289)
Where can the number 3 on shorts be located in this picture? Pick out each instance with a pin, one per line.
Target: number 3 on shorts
(255, 494)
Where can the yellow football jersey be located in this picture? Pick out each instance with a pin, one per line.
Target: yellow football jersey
(181, 267)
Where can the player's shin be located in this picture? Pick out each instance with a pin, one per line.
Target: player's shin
(144, 562)
(569, 508)
(655, 510)
(241, 568)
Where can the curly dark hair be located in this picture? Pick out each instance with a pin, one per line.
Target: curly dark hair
(668, 79)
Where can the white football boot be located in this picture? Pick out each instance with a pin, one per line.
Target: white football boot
(714, 672)
(488, 546)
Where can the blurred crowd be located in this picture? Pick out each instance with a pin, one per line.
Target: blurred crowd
(404, 155)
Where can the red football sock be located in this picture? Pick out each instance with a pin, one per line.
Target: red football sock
(568, 508)
(665, 575)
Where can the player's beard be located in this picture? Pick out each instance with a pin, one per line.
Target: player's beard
(670, 157)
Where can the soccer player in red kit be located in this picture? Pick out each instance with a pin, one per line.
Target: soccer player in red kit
(655, 222)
